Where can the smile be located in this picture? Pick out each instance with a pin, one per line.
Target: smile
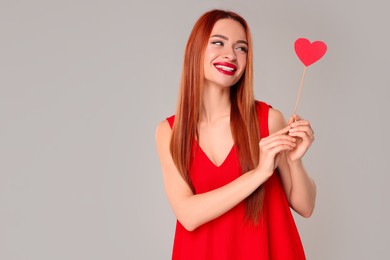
(225, 68)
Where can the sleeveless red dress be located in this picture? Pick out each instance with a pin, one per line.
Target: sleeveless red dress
(228, 237)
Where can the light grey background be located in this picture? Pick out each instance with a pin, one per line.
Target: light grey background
(83, 85)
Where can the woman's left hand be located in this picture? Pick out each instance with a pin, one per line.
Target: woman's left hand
(302, 131)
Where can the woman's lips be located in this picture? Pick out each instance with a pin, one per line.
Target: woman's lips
(225, 68)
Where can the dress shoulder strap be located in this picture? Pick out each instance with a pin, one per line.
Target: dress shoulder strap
(262, 114)
(171, 120)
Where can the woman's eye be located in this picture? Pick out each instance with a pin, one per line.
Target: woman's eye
(219, 43)
(242, 49)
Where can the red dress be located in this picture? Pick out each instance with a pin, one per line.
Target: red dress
(228, 236)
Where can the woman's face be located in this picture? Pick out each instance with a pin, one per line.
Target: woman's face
(226, 53)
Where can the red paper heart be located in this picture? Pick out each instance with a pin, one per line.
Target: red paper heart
(308, 52)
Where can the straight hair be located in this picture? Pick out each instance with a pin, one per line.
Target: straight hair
(243, 116)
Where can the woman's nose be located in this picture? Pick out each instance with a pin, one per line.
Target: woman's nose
(230, 54)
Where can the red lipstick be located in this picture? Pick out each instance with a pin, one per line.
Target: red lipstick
(225, 68)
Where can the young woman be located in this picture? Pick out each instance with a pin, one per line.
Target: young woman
(232, 167)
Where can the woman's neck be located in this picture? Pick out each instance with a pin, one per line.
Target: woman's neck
(216, 104)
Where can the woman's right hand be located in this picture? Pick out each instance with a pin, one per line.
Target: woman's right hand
(270, 149)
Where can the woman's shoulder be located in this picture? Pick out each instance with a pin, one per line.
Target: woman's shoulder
(163, 131)
(276, 120)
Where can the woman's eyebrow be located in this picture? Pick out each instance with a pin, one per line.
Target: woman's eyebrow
(220, 36)
(226, 38)
(242, 41)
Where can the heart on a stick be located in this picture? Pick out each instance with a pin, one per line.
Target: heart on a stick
(309, 52)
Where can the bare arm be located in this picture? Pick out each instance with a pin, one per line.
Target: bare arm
(193, 210)
(300, 189)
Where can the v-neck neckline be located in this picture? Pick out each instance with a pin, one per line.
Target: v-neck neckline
(208, 158)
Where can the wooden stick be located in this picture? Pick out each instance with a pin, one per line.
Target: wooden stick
(299, 92)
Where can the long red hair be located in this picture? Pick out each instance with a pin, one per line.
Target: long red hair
(243, 116)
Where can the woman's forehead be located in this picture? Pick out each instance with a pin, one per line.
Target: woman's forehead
(230, 29)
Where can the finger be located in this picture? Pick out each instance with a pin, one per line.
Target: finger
(280, 148)
(304, 128)
(290, 141)
(299, 123)
(284, 130)
(272, 138)
(303, 135)
(275, 139)
(297, 117)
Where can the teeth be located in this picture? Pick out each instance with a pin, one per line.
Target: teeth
(224, 68)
